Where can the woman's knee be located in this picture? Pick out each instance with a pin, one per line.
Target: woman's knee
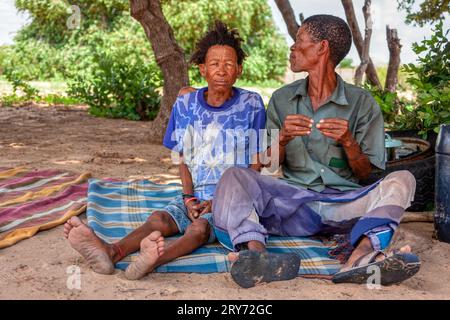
(200, 229)
(161, 219)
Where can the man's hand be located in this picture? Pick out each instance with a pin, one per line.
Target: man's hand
(336, 129)
(185, 90)
(295, 125)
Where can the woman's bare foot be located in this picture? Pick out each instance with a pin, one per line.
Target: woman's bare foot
(91, 247)
(152, 247)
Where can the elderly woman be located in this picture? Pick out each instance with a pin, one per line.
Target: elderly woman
(327, 135)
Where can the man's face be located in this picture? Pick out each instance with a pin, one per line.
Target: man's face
(304, 52)
(221, 68)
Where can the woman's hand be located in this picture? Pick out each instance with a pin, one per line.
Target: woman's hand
(192, 208)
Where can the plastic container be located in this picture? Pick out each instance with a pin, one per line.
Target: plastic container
(442, 199)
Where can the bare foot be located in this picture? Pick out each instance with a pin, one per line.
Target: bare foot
(233, 256)
(91, 247)
(152, 247)
(349, 264)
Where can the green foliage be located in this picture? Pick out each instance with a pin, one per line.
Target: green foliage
(116, 74)
(346, 63)
(398, 113)
(108, 61)
(430, 81)
(5, 51)
(19, 84)
(51, 99)
(430, 11)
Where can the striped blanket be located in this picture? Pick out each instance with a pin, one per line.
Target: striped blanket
(38, 200)
(115, 208)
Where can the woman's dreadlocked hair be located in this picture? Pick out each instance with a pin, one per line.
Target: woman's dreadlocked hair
(220, 35)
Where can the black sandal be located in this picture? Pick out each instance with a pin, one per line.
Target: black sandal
(253, 267)
(395, 268)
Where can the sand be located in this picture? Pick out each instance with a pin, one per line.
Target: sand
(41, 137)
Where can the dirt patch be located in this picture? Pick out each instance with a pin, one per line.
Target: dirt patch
(69, 138)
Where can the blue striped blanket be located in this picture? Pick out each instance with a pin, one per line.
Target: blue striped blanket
(115, 209)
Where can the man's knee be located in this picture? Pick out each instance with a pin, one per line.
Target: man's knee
(233, 172)
(400, 184)
(403, 177)
(200, 229)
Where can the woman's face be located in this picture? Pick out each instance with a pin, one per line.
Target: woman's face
(221, 68)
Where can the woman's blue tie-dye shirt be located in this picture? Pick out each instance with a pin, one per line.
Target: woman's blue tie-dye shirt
(213, 139)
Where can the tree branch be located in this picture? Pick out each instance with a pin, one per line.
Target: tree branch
(366, 46)
(371, 73)
(394, 59)
(169, 57)
(289, 17)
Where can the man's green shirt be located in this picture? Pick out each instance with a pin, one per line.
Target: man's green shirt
(316, 161)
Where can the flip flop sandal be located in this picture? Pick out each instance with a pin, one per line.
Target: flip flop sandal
(254, 267)
(395, 268)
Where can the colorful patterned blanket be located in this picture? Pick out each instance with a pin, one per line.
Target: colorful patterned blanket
(116, 208)
(38, 200)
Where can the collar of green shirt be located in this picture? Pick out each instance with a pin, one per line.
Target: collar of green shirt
(337, 97)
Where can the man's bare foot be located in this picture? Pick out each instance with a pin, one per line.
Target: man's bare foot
(92, 248)
(233, 256)
(356, 255)
(251, 245)
(152, 247)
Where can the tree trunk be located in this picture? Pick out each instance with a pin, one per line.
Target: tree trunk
(371, 72)
(169, 57)
(289, 17)
(394, 59)
(366, 46)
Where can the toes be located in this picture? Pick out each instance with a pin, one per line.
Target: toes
(405, 249)
(75, 221)
(233, 256)
(155, 235)
(160, 242)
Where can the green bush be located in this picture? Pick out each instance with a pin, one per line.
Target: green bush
(429, 80)
(108, 61)
(5, 51)
(117, 75)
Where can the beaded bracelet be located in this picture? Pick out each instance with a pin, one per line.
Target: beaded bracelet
(189, 200)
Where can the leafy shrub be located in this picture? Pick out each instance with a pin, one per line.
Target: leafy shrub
(117, 76)
(346, 63)
(429, 80)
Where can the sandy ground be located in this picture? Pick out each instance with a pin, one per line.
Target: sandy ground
(68, 138)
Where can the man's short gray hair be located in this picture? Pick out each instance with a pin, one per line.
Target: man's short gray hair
(334, 30)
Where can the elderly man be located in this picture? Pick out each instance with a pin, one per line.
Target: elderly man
(331, 134)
